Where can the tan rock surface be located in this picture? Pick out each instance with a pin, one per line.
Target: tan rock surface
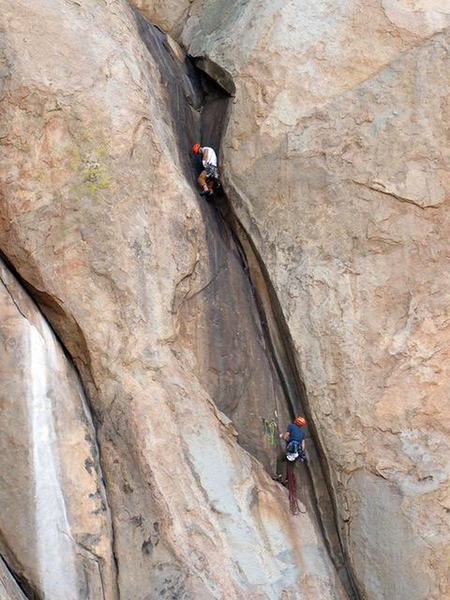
(168, 15)
(336, 159)
(98, 218)
(55, 523)
(9, 590)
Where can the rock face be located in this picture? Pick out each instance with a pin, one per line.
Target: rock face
(9, 590)
(168, 15)
(55, 523)
(336, 160)
(214, 312)
(100, 220)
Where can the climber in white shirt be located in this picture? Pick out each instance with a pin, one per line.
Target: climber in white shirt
(209, 175)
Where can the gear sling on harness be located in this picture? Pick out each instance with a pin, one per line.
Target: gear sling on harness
(212, 173)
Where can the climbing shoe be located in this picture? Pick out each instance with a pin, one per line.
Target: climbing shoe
(279, 479)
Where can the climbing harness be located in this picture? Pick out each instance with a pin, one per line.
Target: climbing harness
(212, 172)
(294, 450)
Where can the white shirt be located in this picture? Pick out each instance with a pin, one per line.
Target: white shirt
(209, 157)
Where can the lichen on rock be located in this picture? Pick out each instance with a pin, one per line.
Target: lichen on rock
(335, 161)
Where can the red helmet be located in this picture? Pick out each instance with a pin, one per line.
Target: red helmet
(196, 148)
(300, 421)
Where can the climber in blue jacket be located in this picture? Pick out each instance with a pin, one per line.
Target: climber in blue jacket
(295, 438)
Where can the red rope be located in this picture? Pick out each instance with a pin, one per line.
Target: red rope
(292, 488)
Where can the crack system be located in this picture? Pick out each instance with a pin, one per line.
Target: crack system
(13, 583)
(212, 123)
(213, 120)
(91, 422)
(280, 347)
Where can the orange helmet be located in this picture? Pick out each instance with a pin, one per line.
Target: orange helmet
(196, 148)
(299, 421)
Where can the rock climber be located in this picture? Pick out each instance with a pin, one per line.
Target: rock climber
(210, 174)
(295, 438)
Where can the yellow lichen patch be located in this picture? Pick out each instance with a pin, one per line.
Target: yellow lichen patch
(91, 170)
(95, 175)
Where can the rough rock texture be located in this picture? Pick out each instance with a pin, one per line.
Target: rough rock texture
(168, 15)
(222, 331)
(336, 159)
(214, 311)
(98, 218)
(9, 589)
(55, 524)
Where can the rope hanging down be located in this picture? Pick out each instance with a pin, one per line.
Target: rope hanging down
(292, 488)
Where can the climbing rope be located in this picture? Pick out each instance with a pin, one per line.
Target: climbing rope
(292, 489)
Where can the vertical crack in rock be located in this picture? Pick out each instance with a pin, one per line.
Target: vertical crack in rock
(12, 585)
(191, 84)
(280, 346)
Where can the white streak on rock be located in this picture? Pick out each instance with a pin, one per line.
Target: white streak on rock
(55, 550)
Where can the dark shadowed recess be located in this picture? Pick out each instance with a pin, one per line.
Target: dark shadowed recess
(184, 90)
(199, 107)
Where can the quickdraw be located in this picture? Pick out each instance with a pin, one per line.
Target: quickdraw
(269, 430)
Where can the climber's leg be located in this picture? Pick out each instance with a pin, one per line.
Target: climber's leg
(281, 467)
(202, 182)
